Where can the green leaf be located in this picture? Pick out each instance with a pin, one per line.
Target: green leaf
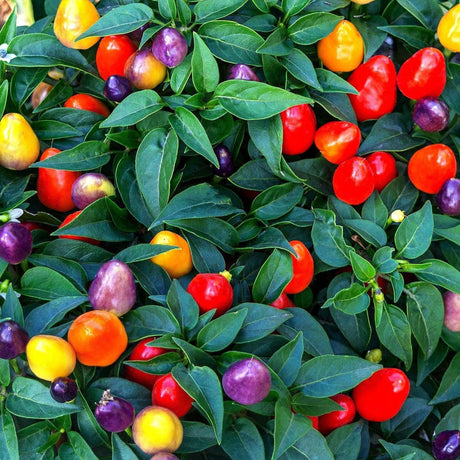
(232, 42)
(345, 441)
(200, 200)
(426, 366)
(291, 7)
(95, 221)
(413, 237)
(330, 82)
(449, 388)
(205, 72)
(408, 420)
(183, 306)
(48, 129)
(328, 241)
(155, 162)
(142, 251)
(120, 20)
(428, 12)
(276, 201)
(43, 50)
(45, 316)
(415, 36)
(367, 230)
(289, 427)
(242, 438)
(208, 10)
(181, 74)
(150, 320)
(203, 385)
(315, 340)
(383, 261)
(168, 9)
(3, 96)
(253, 100)
(260, 321)
(195, 355)
(81, 448)
(362, 268)
(425, 311)
(352, 300)
(83, 157)
(287, 360)
(8, 437)
(46, 284)
(394, 332)
(355, 328)
(400, 451)
(369, 28)
(375, 210)
(391, 134)
(121, 451)
(312, 446)
(197, 437)
(299, 65)
(220, 333)
(328, 375)
(313, 27)
(277, 44)
(133, 109)
(399, 194)
(313, 406)
(9, 30)
(273, 276)
(442, 274)
(192, 133)
(31, 399)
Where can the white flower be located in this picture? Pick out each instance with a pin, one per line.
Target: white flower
(4, 56)
(15, 214)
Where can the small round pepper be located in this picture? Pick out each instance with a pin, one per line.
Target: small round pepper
(449, 29)
(343, 49)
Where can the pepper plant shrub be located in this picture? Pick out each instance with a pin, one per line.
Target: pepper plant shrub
(156, 147)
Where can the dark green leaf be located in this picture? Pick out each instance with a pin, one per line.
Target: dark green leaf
(203, 385)
(287, 360)
(43, 50)
(46, 284)
(345, 441)
(183, 306)
(200, 200)
(328, 241)
(208, 10)
(232, 42)
(330, 82)
(133, 109)
(413, 237)
(220, 333)
(300, 66)
(197, 437)
(192, 133)
(312, 27)
(449, 388)
(442, 274)
(8, 437)
(155, 162)
(394, 332)
(273, 277)
(328, 375)
(362, 268)
(399, 194)
(150, 320)
(400, 451)
(121, 451)
(253, 100)
(205, 72)
(389, 133)
(289, 427)
(140, 252)
(120, 20)
(260, 321)
(242, 438)
(315, 340)
(31, 399)
(428, 12)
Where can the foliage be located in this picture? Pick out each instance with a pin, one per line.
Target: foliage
(157, 148)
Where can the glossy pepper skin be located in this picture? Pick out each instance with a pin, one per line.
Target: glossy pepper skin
(299, 127)
(381, 396)
(343, 49)
(54, 186)
(73, 17)
(423, 74)
(449, 29)
(376, 82)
